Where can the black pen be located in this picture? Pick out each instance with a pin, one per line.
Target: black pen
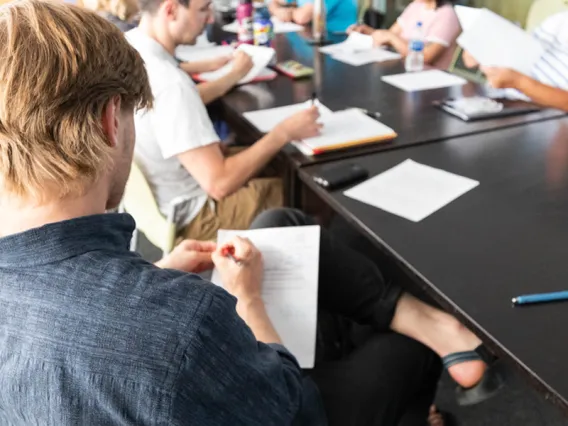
(314, 98)
(372, 114)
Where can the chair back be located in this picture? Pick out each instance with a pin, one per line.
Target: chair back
(139, 201)
(542, 9)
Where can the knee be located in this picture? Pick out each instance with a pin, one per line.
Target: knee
(278, 218)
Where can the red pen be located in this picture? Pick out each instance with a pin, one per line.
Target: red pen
(229, 251)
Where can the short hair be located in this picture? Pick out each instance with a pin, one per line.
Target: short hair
(151, 6)
(61, 65)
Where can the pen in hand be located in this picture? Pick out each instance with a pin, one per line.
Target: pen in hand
(229, 251)
(314, 98)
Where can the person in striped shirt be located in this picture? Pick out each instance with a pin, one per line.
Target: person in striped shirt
(548, 83)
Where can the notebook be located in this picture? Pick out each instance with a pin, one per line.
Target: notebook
(484, 108)
(261, 57)
(341, 129)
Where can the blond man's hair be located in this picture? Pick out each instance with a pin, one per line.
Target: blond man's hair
(60, 67)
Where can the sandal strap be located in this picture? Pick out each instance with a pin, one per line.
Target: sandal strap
(460, 357)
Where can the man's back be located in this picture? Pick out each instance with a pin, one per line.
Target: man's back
(91, 334)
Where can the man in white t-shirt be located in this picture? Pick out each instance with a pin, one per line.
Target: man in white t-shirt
(177, 147)
(548, 83)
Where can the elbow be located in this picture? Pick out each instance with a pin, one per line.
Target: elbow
(216, 190)
(302, 18)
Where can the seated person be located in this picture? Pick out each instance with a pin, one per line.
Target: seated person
(125, 15)
(340, 14)
(177, 147)
(548, 83)
(440, 27)
(91, 334)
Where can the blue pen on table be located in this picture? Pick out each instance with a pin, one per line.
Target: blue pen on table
(528, 299)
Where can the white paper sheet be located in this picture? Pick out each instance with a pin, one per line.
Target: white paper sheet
(411, 190)
(424, 80)
(265, 120)
(366, 56)
(279, 27)
(348, 126)
(467, 15)
(290, 283)
(494, 41)
(193, 54)
(354, 43)
(260, 55)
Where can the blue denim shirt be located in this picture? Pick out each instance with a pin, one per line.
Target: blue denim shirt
(91, 334)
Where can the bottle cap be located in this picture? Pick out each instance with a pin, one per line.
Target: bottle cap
(419, 24)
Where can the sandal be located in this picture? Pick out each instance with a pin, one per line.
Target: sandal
(489, 385)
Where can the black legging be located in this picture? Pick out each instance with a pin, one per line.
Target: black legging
(387, 380)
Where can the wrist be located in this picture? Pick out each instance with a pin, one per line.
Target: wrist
(520, 83)
(280, 135)
(249, 303)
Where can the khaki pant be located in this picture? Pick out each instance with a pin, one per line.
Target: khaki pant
(237, 211)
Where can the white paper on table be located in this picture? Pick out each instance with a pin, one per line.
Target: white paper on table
(290, 283)
(193, 53)
(366, 56)
(344, 127)
(467, 15)
(260, 55)
(265, 120)
(411, 190)
(279, 27)
(494, 41)
(354, 43)
(424, 80)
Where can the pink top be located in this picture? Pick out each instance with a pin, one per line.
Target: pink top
(440, 26)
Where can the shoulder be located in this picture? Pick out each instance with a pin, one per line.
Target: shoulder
(448, 13)
(554, 30)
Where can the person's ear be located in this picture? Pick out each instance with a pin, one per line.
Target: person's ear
(169, 8)
(111, 120)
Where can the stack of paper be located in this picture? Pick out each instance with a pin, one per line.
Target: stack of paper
(494, 41)
(357, 50)
(412, 190)
(279, 27)
(290, 283)
(261, 56)
(341, 129)
(424, 80)
(265, 120)
(192, 53)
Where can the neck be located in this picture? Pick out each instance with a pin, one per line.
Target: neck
(149, 26)
(17, 215)
(430, 4)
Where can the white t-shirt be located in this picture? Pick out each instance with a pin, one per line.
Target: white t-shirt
(177, 123)
(552, 67)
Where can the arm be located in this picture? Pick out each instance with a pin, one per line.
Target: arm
(285, 14)
(542, 94)
(303, 15)
(197, 67)
(211, 90)
(220, 176)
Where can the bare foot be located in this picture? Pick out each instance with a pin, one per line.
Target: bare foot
(434, 417)
(442, 333)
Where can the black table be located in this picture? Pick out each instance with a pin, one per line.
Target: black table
(339, 86)
(505, 238)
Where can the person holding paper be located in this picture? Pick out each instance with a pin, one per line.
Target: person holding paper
(547, 84)
(178, 149)
(440, 25)
(340, 14)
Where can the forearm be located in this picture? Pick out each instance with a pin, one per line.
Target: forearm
(303, 15)
(240, 168)
(254, 314)
(543, 94)
(195, 67)
(212, 90)
(399, 44)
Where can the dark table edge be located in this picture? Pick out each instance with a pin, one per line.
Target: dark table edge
(438, 296)
(237, 120)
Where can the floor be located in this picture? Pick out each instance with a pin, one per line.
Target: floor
(517, 405)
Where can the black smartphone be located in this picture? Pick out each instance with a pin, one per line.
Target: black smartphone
(338, 176)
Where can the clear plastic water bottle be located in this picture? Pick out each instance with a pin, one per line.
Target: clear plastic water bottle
(415, 58)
